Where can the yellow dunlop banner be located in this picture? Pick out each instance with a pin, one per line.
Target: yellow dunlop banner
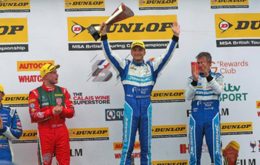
(237, 25)
(162, 96)
(16, 100)
(78, 134)
(84, 5)
(118, 146)
(257, 104)
(13, 30)
(28, 135)
(15, 6)
(236, 128)
(150, 27)
(238, 29)
(164, 131)
(170, 162)
(31, 65)
(158, 4)
(215, 4)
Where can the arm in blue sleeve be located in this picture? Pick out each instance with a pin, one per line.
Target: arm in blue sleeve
(161, 61)
(116, 61)
(15, 130)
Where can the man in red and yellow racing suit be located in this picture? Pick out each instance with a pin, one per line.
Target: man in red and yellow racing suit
(49, 105)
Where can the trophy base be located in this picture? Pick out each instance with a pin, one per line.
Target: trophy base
(94, 33)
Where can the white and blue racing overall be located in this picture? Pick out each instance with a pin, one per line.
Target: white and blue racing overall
(205, 118)
(138, 80)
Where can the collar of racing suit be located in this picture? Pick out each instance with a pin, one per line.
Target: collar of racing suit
(202, 75)
(138, 63)
(48, 89)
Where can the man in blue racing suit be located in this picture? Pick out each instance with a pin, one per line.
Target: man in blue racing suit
(138, 78)
(10, 128)
(204, 89)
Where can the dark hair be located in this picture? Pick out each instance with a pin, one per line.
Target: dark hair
(206, 55)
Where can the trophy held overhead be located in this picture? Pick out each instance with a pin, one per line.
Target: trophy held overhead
(122, 12)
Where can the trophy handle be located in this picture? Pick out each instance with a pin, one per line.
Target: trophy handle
(94, 31)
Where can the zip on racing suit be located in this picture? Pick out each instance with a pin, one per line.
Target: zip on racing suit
(138, 81)
(12, 129)
(205, 118)
(52, 130)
